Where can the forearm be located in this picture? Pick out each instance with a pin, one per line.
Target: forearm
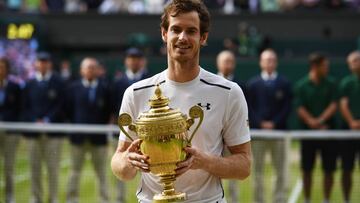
(304, 115)
(120, 167)
(329, 112)
(236, 166)
(345, 111)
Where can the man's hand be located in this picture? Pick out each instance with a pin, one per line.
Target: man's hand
(355, 124)
(135, 158)
(196, 159)
(269, 125)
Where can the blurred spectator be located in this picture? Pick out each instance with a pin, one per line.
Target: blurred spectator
(53, 5)
(315, 102)
(43, 103)
(136, 7)
(22, 55)
(269, 100)
(154, 6)
(88, 103)
(74, 6)
(269, 5)
(10, 106)
(226, 64)
(135, 70)
(92, 5)
(350, 110)
(113, 6)
(66, 71)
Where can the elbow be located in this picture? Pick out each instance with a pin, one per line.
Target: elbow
(119, 169)
(246, 168)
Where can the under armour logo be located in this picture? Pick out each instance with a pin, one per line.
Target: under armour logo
(207, 106)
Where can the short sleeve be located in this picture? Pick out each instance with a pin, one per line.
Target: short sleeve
(298, 96)
(127, 106)
(236, 126)
(344, 88)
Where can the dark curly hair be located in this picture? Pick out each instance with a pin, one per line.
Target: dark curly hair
(177, 7)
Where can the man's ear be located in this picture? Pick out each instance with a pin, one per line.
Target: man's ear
(164, 35)
(203, 39)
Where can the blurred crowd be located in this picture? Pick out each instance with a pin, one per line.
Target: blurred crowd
(156, 6)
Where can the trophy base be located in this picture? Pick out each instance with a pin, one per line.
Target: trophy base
(176, 197)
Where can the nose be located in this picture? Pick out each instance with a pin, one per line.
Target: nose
(182, 35)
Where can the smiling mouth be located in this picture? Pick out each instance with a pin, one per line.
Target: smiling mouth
(182, 47)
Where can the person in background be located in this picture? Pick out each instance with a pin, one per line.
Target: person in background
(226, 64)
(43, 103)
(269, 98)
(350, 110)
(88, 103)
(315, 102)
(10, 106)
(135, 70)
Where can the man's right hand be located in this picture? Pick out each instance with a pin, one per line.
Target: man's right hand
(135, 158)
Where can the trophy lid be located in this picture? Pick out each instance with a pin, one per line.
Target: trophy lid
(160, 120)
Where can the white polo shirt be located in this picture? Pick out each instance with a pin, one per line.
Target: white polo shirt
(225, 124)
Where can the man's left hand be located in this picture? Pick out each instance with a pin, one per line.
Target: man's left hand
(196, 159)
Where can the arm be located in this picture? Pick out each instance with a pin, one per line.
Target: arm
(307, 118)
(328, 112)
(128, 159)
(235, 166)
(346, 113)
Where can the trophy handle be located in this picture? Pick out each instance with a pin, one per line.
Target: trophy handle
(125, 120)
(195, 112)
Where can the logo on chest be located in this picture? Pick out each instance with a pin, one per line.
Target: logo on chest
(206, 106)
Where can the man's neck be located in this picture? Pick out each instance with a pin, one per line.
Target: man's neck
(183, 71)
(314, 77)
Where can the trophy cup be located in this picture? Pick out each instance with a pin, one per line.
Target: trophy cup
(163, 132)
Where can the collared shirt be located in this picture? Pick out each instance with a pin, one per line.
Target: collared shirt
(266, 76)
(229, 77)
(135, 76)
(40, 78)
(87, 83)
(91, 88)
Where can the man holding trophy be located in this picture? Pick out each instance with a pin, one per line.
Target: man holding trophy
(157, 143)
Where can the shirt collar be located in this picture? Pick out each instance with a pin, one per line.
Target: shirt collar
(39, 77)
(134, 76)
(229, 77)
(87, 83)
(266, 76)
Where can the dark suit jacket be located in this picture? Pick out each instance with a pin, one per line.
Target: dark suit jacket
(269, 101)
(44, 100)
(83, 111)
(118, 89)
(11, 107)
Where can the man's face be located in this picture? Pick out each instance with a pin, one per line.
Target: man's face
(43, 66)
(134, 64)
(323, 69)
(268, 61)
(183, 37)
(3, 71)
(226, 64)
(89, 69)
(354, 63)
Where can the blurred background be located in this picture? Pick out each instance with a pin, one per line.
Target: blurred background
(71, 30)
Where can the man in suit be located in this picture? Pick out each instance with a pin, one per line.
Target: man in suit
(135, 70)
(88, 103)
(10, 105)
(43, 103)
(269, 99)
(226, 64)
